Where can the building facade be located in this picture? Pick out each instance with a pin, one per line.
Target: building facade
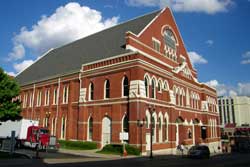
(126, 78)
(234, 110)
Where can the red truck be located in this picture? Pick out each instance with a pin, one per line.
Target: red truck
(27, 133)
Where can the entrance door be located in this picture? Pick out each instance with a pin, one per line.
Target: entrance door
(147, 141)
(106, 131)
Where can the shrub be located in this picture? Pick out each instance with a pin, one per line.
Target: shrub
(77, 145)
(131, 150)
(118, 149)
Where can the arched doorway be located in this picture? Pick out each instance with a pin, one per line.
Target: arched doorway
(179, 125)
(196, 131)
(106, 131)
(90, 129)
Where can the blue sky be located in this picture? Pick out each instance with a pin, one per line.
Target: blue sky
(216, 32)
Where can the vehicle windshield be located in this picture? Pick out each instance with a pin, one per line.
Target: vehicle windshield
(44, 131)
(198, 148)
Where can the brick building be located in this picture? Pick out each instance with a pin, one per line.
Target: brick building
(114, 80)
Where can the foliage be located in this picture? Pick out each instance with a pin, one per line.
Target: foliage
(118, 149)
(77, 145)
(9, 90)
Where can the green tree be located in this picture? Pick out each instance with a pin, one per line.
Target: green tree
(9, 89)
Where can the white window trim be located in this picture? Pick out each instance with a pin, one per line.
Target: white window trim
(154, 40)
(88, 136)
(46, 97)
(55, 96)
(104, 90)
(155, 83)
(66, 94)
(147, 88)
(123, 87)
(30, 99)
(90, 91)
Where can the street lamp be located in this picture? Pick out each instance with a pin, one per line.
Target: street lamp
(151, 110)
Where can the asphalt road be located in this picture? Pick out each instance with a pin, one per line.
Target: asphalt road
(63, 160)
(235, 160)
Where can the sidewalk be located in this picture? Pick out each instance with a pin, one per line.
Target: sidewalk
(92, 153)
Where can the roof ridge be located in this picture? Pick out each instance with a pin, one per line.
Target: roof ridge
(119, 24)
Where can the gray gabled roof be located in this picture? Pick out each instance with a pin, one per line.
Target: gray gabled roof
(69, 58)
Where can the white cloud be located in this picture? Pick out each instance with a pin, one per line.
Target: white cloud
(246, 54)
(196, 58)
(221, 88)
(247, 61)
(205, 6)
(242, 89)
(212, 83)
(10, 73)
(246, 58)
(209, 42)
(18, 52)
(23, 65)
(68, 23)
(148, 3)
(232, 93)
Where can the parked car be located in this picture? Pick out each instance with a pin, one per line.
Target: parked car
(199, 151)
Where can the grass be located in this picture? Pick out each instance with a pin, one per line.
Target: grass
(77, 145)
(117, 149)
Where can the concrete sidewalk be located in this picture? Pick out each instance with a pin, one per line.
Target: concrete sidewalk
(92, 153)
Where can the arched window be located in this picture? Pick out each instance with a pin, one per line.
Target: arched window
(180, 101)
(63, 128)
(160, 129)
(160, 123)
(146, 86)
(147, 123)
(90, 129)
(166, 129)
(189, 134)
(125, 86)
(170, 39)
(91, 91)
(153, 88)
(125, 124)
(107, 89)
(166, 87)
(159, 86)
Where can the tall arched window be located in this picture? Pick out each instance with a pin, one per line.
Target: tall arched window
(90, 129)
(146, 86)
(159, 86)
(63, 128)
(107, 89)
(166, 129)
(125, 124)
(147, 123)
(153, 88)
(91, 91)
(125, 86)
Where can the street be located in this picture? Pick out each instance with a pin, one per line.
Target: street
(229, 160)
